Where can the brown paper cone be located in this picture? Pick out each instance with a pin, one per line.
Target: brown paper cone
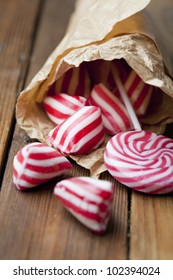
(120, 34)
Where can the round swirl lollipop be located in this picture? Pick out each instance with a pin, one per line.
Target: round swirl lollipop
(141, 160)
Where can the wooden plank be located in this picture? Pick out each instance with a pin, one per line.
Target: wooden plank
(151, 227)
(34, 225)
(151, 216)
(16, 32)
(43, 229)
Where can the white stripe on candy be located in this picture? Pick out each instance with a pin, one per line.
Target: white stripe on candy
(88, 199)
(60, 107)
(80, 133)
(37, 163)
(114, 114)
(75, 81)
(147, 167)
(137, 90)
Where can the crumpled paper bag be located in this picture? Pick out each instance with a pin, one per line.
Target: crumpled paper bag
(99, 30)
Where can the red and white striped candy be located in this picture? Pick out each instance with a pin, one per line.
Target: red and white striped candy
(88, 199)
(74, 82)
(79, 134)
(114, 114)
(138, 92)
(141, 160)
(60, 107)
(37, 163)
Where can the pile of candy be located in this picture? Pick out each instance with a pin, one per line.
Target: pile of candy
(138, 159)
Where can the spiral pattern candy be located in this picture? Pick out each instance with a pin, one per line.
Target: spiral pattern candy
(88, 199)
(60, 107)
(141, 160)
(79, 134)
(37, 163)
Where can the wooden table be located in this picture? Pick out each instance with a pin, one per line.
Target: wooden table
(33, 224)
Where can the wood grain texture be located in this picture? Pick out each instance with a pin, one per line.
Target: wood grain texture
(17, 21)
(36, 220)
(151, 227)
(34, 224)
(151, 216)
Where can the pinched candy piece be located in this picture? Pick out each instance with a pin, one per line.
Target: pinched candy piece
(60, 107)
(37, 163)
(88, 199)
(114, 114)
(141, 160)
(80, 133)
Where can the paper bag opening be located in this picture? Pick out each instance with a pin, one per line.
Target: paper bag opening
(94, 57)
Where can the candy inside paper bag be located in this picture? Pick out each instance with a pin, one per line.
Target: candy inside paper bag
(75, 70)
